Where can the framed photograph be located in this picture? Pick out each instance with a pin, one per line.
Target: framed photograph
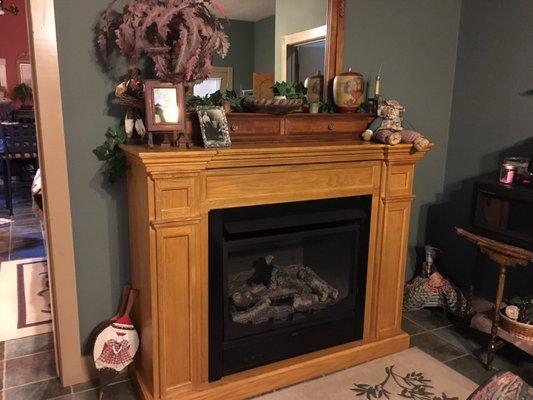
(165, 106)
(214, 126)
(24, 69)
(3, 73)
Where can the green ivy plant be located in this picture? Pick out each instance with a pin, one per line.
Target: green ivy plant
(115, 164)
(215, 99)
(291, 90)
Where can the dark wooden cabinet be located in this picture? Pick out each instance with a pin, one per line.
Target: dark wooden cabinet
(255, 127)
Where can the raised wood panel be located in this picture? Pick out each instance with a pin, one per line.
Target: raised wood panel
(239, 188)
(401, 180)
(392, 267)
(176, 253)
(174, 198)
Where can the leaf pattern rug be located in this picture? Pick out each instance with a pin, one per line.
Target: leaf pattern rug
(410, 374)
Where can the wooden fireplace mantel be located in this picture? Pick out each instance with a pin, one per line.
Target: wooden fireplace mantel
(170, 192)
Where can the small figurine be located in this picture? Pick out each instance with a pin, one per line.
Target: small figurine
(387, 128)
(432, 289)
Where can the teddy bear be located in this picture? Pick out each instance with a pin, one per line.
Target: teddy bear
(387, 128)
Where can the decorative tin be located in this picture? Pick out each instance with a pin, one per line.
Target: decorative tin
(348, 89)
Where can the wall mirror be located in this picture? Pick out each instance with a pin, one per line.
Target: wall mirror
(278, 40)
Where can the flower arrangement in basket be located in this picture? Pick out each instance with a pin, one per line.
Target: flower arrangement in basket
(517, 318)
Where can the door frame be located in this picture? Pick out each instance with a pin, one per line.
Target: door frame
(71, 365)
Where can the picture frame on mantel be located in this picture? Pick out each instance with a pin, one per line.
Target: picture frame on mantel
(214, 126)
(165, 111)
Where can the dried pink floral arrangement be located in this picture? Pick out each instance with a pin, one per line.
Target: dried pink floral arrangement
(180, 36)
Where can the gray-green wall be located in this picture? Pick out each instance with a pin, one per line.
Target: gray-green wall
(490, 120)
(99, 212)
(416, 42)
(265, 35)
(241, 53)
(295, 16)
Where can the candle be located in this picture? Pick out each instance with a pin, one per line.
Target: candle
(378, 83)
(377, 88)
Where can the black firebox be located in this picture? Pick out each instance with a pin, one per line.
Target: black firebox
(285, 280)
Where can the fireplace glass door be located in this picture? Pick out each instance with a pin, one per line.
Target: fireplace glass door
(285, 280)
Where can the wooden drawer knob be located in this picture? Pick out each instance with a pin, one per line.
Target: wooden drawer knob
(331, 126)
(234, 128)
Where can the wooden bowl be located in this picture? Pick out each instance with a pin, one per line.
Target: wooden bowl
(273, 106)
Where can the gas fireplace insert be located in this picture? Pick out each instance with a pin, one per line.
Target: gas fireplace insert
(285, 280)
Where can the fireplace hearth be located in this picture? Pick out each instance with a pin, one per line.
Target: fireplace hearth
(285, 280)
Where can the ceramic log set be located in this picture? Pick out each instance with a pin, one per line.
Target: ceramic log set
(348, 90)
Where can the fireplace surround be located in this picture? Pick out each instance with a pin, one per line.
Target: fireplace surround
(173, 197)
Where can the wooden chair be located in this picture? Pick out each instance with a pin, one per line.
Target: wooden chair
(18, 145)
(24, 116)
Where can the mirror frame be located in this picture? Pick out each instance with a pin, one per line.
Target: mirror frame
(149, 87)
(334, 43)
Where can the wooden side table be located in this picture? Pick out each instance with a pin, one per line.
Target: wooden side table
(505, 256)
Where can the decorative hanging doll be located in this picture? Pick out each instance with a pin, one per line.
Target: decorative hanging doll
(116, 346)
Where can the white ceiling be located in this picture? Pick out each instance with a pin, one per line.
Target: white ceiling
(249, 10)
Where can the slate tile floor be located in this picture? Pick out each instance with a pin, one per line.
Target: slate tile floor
(446, 339)
(27, 369)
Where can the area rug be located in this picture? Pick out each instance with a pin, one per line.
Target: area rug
(410, 374)
(24, 298)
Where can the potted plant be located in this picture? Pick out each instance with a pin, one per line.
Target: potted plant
(22, 92)
(228, 99)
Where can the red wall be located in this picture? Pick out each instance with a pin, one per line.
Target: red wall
(13, 40)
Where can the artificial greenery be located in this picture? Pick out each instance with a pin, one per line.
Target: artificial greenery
(115, 166)
(194, 101)
(228, 95)
(291, 90)
(215, 99)
(22, 92)
(328, 107)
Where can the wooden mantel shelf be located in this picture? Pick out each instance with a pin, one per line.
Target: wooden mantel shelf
(170, 194)
(242, 154)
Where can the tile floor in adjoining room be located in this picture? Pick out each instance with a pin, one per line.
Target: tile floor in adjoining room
(27, 367)
(29, 374)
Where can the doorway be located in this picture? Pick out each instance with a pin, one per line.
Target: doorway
(60, 352)
(26, 318)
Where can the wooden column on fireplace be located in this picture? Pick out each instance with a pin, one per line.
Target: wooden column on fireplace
(170, 193)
